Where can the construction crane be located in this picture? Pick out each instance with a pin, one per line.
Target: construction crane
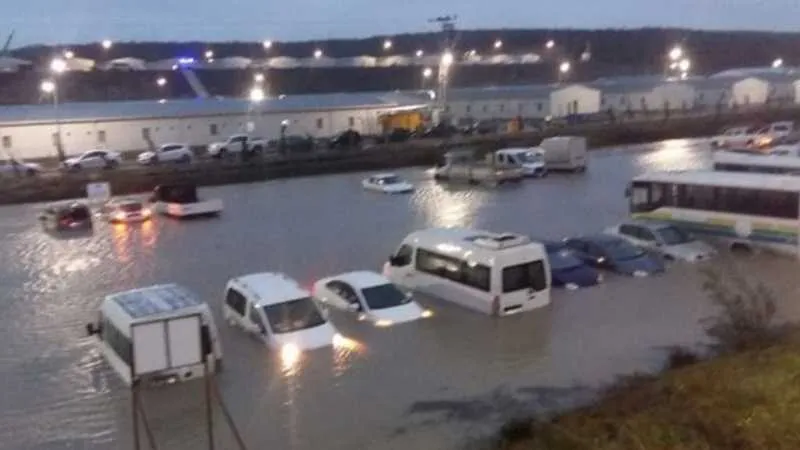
(7, 46)
(449, 37)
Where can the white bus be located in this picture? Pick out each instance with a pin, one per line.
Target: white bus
(744, 210)
(497, 274)
(743, 162)
(163, 340)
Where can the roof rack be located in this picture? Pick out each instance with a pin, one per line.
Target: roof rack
(499, 241)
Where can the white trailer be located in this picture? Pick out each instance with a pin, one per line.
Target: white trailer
(158, 334)
(565, 153)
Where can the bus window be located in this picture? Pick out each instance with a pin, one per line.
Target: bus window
(640, 197)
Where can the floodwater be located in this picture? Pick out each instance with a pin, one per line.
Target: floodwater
(433, 384)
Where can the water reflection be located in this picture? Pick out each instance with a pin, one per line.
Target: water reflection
(676, 154)
(446, 206)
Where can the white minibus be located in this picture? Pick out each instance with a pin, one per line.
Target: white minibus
(497, 274)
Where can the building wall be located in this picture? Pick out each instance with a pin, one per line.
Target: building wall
(749, 91)
(673, 95)
(498, 109)
(575, 99)
(38, 141)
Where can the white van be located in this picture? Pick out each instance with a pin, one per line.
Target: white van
(274, 308)
(497, 274)
(565, 153)
(530, 159)
(166, 337)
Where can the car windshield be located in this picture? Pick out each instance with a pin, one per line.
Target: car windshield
(622, 250)
(394, 179)
(562, 259)
(294, 315)
(77, 213)
(674, 236)
(384, 296)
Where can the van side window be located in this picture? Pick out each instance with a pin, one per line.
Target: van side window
(236, 301)
(476, 276)
(255, 317)
(530, 275)
(403, 255)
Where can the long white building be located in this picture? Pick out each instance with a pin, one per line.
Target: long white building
(30, 131)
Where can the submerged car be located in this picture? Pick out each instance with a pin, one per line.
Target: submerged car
(66, 217)
(372, 296)
(567, 270)
(609, 252)
(126, 211)
(93, 159)
(670, 241)
(388, 183)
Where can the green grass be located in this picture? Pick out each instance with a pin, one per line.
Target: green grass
(741, 401)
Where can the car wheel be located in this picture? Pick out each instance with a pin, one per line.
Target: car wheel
(222, 153)
(30, 172)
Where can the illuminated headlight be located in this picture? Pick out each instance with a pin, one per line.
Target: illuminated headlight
(640, 273)
(290, 354)
(119, 215)
(146, 212)
(426, 314)
(383, 323)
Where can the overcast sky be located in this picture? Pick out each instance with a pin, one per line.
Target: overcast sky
(76, 21)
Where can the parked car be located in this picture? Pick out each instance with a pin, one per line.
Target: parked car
(16, 167)
(372, 296)
(613, 253)
(735, 137)
(179, 153)
(236, 144)
(568, 270)
(347, 139)
(667, 239)
(93, 159)
(66, 216)
(388, 183)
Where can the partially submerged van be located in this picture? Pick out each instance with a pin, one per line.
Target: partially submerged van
(565, 153)
(497, 274)
(530, 159)
(172, 326)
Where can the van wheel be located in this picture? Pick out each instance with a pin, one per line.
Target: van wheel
(741, 248)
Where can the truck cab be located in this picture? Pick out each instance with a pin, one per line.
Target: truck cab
(236, 144)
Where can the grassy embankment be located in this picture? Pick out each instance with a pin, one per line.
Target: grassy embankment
(746, 397)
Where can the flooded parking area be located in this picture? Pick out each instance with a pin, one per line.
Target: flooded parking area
(430, 384)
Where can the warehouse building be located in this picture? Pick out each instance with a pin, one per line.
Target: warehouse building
(31, 131)
(645, 94)
(529, 102)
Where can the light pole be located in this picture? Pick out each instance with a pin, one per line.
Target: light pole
(550, 44)
(777, 64)
(444, 74)
(106, 44)
(498, 44)
(563, 70)
(50, 87)
(387, 45)
(256, 96)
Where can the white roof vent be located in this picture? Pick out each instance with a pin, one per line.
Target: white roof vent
(499, 241)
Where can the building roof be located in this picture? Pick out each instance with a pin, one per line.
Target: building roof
(625, 85)
(155, 300)
(92, 111)
(522, 92)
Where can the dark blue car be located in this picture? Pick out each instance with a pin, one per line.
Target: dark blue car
(610, 252)
(567, 270)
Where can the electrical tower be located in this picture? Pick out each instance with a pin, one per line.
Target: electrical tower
(447, 25)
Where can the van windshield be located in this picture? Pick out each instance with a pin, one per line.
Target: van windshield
(530, 157)
(529, 275)
(294, 315)
(384, 296)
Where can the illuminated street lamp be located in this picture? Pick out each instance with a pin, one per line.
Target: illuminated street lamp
(420, 53)
(387, 44)
(564, 67)
(259, 77)
(684, 65)
(209, 54)
(676, 53)
(257, 94)
(58, 66)
(317, 54)
(427, 72)
(550, 44)
(161, 81)
(778, 63)
(447, 59)
(106, 44)
(267, 44)
(69, 54)
(498, 44)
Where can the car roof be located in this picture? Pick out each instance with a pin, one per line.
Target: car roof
(361, 279)
(270, 288)
(384, 175)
